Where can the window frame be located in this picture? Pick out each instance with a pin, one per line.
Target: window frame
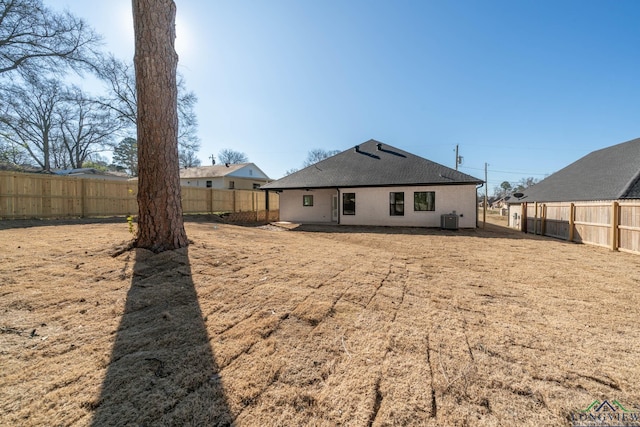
(305, 200)
(352, 196)
(396, 203)
(429, 202)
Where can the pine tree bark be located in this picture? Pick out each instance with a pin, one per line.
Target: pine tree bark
(160, 222)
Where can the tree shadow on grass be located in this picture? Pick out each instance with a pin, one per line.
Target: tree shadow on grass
(162, 370)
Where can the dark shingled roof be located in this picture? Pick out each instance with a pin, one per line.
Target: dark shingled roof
(372, 164)
(608, 174)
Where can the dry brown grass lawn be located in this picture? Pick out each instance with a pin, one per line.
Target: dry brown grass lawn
(312, 326)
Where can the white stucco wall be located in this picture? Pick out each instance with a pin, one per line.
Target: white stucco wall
(515, 215)
(372, 206)
(250, 171)
(291, 208)
(202, 182)
(222, 183)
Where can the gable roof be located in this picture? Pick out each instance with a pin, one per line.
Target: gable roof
(372, 164)
(219, 171)
(610, 173)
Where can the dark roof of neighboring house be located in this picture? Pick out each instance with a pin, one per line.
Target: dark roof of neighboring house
(90, 171)
(611, 173)
(372, 164)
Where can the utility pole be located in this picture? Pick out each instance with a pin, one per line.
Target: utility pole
(486, 196)
(457, 157)
(213, 159)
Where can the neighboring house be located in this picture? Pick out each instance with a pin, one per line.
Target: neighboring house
(499, 204)
(606, 175)
(91, 173)
(241, 176)
(377, 184)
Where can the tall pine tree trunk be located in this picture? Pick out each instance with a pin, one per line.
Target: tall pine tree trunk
(160, 223)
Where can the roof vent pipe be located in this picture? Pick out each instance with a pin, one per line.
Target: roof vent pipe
(379, 147)
(357, 148)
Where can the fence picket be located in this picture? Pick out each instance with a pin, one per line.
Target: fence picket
(24, 196)
(612, 224)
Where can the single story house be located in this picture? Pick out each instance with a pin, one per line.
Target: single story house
(608, 174)
(377, 184)
(595, 200)
(240, 176)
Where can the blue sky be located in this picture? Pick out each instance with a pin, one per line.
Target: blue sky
(525, 86)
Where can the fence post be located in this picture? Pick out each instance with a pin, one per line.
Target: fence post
(543, 219)
(572, 215)
(614, 226)
(234, 200)
(523, 217)
(535, 218)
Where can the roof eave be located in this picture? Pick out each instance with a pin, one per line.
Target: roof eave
(418, 184)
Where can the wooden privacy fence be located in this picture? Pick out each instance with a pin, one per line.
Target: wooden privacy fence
(49, 196)
(612, 224)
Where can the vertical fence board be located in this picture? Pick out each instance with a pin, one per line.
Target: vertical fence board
(611, 224)
(593, 223)
(629, 227)
(557, 220)
(24, 196)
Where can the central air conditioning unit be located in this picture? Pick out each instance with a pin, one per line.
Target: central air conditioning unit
(449, 221)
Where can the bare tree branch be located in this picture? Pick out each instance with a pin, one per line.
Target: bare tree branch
(230, 156)
(32, 37)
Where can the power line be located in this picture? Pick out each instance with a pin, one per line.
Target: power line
(511, 172)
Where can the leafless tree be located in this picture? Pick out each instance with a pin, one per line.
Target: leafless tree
(30, 117)
(229, 156)
(58, 126)
(85, 127)
(188, 159)
(119, 76)
(318, 154)
(525, 183)
(12, 154)
(32, 37)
